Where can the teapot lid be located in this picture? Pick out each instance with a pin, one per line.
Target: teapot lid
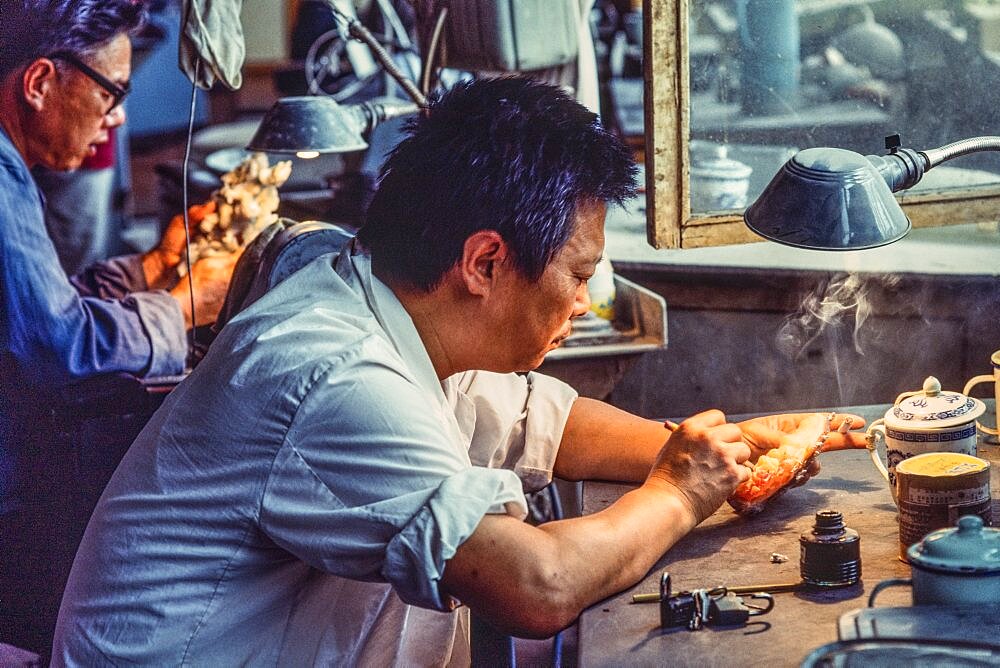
(969, 548)
(933, 407)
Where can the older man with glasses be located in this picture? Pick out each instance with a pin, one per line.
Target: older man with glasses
(85, 209)
(64, 69)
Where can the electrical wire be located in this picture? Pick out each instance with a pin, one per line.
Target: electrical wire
(432, 47)
(184, 198)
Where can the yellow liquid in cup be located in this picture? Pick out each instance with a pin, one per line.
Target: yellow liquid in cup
(941, 464)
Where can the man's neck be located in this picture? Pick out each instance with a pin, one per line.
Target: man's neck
(440, 324)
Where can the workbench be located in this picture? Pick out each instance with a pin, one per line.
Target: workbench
(727, 549)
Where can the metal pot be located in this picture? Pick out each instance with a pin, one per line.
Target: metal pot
(954, 566)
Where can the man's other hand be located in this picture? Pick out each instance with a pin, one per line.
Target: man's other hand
(210, 276)
(800, 430)
(160, 263)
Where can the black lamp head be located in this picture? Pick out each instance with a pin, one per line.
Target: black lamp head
(309, 123)
(828, 199)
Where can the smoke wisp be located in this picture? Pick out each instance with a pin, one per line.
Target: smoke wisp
(842, 301)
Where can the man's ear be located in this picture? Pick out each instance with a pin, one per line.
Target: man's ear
(482, 255)
(38, 81)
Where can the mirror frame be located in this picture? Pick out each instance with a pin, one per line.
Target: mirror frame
(666, 108)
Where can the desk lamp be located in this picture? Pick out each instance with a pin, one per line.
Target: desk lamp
(309, 125)
(834, 199)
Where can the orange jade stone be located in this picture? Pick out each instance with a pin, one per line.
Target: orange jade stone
(772, 473)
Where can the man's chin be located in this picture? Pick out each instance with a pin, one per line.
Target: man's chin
(66, 163)
(532, 364)
(537, 362)
(76, 160)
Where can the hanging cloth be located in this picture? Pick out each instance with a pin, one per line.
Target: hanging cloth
(211, 32)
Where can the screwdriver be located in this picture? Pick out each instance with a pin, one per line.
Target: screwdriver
(773, 588)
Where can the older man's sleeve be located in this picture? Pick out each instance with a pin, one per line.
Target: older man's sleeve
(370, 486)
(111, 279)
(56, 331)
(516, 420)
(123, 278)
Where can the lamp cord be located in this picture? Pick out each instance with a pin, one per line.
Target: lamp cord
(184, 198)
(359, 32)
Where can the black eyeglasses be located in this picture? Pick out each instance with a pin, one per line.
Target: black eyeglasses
(117, 92)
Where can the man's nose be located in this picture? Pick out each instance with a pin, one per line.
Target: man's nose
(115, 117)
(582, 302)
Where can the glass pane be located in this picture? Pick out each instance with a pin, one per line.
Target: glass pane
(770, 77)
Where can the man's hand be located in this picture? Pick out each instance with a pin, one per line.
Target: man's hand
(703, 462)
(210, 276)
(799, 430)
(160, 264)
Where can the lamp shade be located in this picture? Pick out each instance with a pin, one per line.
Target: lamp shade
(828, 199)
(308, 123)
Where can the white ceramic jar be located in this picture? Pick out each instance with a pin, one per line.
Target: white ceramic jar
(717, 181)
(601, 287)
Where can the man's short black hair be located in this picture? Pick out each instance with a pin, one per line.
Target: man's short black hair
(31, 29)
(509, 154)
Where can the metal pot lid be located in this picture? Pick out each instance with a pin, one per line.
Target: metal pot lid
(711, 161)
(968, 549)
(932, 408)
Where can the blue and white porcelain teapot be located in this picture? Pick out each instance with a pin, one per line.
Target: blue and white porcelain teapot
(927, 420)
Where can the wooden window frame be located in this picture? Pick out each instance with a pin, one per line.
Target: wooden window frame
(666, 106)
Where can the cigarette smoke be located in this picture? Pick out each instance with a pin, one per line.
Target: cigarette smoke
(843, 301)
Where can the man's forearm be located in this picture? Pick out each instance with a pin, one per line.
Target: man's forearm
(534, 581)
(606, 443)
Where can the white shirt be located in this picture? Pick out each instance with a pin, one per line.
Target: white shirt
(303, 489)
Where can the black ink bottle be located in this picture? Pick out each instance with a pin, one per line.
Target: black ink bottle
(830, 555)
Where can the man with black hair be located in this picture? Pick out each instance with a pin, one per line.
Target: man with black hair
(347, 465)
(64, 70)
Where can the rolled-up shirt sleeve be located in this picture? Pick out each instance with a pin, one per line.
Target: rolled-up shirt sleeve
(369, 486)
(515, 421)
(163, 323)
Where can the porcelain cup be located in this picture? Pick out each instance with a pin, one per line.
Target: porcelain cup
(990, 435)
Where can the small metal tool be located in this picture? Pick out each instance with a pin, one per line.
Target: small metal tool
(773, 588)
(732, 610)
(702, 607)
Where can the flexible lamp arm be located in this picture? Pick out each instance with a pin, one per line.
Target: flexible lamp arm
(936, 156)
(370, 113)
(904, 167)
(359, 32)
